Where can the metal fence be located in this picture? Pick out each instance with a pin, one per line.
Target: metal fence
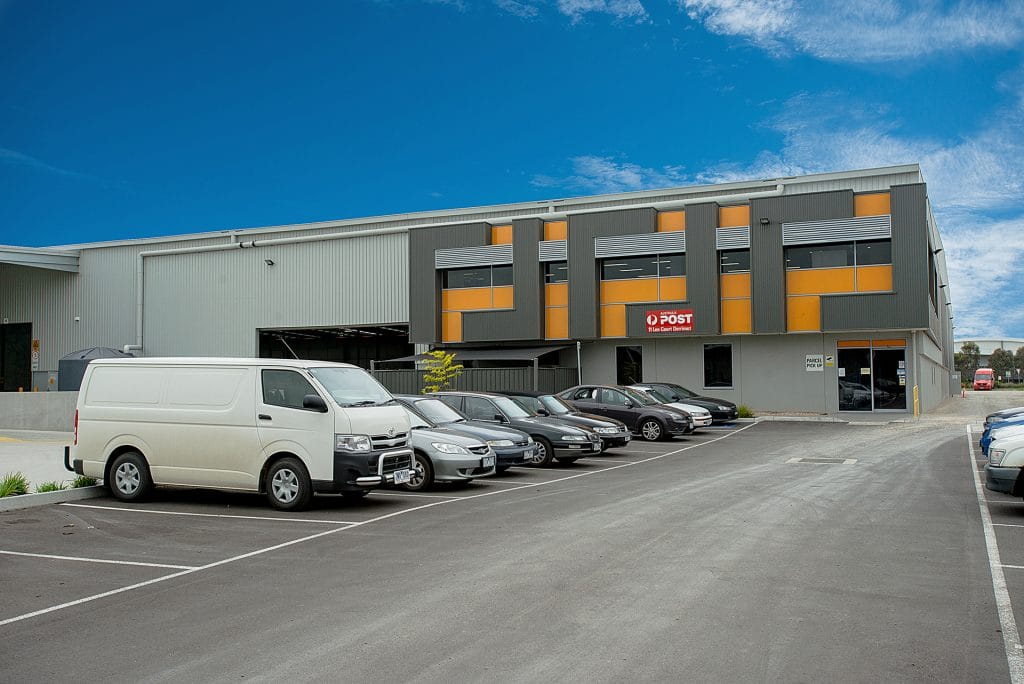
(409, 381)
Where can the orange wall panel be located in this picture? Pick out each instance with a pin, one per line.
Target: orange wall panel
(556, 294)
(637, 290)
(556, 230)
(613, 320)
(466, 299)
(735, 285)
(736, 316)
(556, 323)
(672, 289)
(501, 235)
(874, 278)
(819, 280)
(803, 313)
(889, 343)
(671, 221)
(853, 344)
(502, 297)
(871, 204)
(729, 217)
(451, 326)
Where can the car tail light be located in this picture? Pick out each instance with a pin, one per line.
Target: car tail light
(76, 427)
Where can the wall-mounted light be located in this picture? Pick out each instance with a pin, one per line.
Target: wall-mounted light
(943, 285)
(765, 221)
(936, 251)
(268, 262)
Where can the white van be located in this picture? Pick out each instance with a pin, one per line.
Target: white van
(286, 428)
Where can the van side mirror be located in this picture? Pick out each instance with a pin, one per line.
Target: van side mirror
(314, 402)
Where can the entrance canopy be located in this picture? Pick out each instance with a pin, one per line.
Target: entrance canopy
(493, 354)
(40, 257)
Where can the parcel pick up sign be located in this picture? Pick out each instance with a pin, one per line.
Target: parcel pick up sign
(669, 320)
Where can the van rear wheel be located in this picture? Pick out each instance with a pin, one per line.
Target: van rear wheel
(288, 486)
(129, 477)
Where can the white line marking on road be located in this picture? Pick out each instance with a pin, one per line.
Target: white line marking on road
(507, 482)
(209, 515)
(1011, 637)
(598, 459)
(98, 560)
(1015, 567)
(1005, 525)
(164, 578)
(423, 496)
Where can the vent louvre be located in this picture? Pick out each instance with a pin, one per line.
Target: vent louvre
(467, 257)
(553, 250)
(639, 245)
(837, 230)
(733, 238)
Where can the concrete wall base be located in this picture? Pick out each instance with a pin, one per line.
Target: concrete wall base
(52, 411)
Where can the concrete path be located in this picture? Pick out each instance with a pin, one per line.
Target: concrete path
(39, 456)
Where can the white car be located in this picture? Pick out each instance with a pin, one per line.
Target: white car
(1005, 465)
(701, 416)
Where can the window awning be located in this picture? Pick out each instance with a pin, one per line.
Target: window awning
(492, 354)
(40, 257)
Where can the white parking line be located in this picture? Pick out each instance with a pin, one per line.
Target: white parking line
(422, 496)
(1015, 567)
(233, 559)
(598, 459)
(1011, 637)
(210, 515)
(1005, 525)
(98, 560)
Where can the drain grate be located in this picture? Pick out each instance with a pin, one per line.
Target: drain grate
(826, 461)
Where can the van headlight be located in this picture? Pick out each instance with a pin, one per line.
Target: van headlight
(995, 456)
(446, 448)
(357, 443)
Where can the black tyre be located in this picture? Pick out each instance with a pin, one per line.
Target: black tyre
(353, 496)
(501, 469)
(566, 461)
(288, 486)
(419, 483)
(129, 477)
(545, 452)
(651, 429)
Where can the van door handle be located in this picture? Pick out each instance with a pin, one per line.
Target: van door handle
(264, 416)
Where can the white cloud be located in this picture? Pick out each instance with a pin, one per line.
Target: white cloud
(863, 30)
(523, 10)
(620, 9)
(593, 174)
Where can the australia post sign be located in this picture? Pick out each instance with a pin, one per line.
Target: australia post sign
(669, 320)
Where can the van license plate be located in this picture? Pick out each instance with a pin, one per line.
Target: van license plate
(402, 476)
(486, 461)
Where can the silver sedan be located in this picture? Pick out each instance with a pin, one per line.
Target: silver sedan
(446, 455)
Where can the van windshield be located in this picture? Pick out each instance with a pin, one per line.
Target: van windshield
(351, 386)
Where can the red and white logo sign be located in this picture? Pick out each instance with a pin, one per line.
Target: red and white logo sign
(670, 320)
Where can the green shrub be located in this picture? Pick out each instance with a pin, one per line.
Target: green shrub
(83, 481)
(744, 411)
(13, 484)
(54, 486)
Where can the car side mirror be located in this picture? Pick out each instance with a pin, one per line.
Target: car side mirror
(628, 403)
(314, 402)
(543, 412)
(498, 418)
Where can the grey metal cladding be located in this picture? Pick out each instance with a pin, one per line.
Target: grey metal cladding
(638, 245)
(467, 257)
(526, 320)
(553, 250)
(424, 278)
(908, 306)
(767, 267)
(702, 267)
(817, 206)
(584, 298)
(737, 237)
(837, 230)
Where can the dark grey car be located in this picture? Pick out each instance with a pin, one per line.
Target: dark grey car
(644, 416)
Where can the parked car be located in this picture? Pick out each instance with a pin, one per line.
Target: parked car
(555, 439)
(721, 411)
(700, 415)
(1004, 471)
(511, 447)
(644, 416)
(1005, 413)
(999, 431)
(442, 454)
(613, 433)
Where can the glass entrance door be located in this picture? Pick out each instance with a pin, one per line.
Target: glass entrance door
(854, 368)
(890, 379)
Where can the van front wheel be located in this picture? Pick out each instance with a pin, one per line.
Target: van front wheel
(129, 477)
(288, 486)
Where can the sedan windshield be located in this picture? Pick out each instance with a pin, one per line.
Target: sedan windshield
(555, 406)
(658, 396)
(682, 391)
(438, 411)
(511, 408)
(351, 386)
(638, 396)
(531, 404)
(415, 420)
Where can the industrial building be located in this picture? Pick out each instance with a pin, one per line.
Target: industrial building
(820, 293)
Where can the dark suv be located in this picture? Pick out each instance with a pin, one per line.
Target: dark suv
(721, 411)
(644, 416)
(613, 433)
(555, 439)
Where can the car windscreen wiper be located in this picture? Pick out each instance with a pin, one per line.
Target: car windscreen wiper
(365, 402)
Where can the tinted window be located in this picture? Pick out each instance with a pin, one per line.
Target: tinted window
(555, 406)
(468, 277)
(531, 404)
(672, 265)
(501, 275)
(874, 252)
(556, 272)
(510, 408)
(718, 365)
(735, 261)
(438, 411)
(478, 408)
(452, 400)
(583, 394)
(607, 396)
(285, 388)
(820, 256)
(621, 268)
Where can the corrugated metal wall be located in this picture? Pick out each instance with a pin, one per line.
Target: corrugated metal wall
(767, 267)
(702, 267)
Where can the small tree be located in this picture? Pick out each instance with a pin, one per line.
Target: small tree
(1001, 361)
(441, 371)
(967, 359)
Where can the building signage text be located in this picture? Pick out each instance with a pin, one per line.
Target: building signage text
(669, 320)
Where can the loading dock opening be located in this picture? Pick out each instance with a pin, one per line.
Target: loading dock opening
(358, 345)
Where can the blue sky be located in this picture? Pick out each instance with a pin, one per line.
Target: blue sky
(128, 119)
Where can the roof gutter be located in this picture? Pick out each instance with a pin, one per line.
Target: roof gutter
(140, 267)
